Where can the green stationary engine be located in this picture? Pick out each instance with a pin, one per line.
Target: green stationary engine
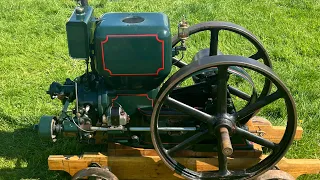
(123, 96)
(131, 55)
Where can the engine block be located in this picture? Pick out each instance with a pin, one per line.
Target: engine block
(133, 50)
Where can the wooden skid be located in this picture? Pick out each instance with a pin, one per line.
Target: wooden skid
(297, 167)
(272, 133)
(151, 167)
(137, 163)
(120, 150)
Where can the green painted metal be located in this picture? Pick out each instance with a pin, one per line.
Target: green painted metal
(80, 30)
(131, 102)
(46, 127)
(133, 50)
(69, 126)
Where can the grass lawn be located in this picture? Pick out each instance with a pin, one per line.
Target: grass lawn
(33, 53)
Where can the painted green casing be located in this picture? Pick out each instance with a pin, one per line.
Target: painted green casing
(69, 126)
(133, 50)
(45, 127)
(80, 29)
(132, 102)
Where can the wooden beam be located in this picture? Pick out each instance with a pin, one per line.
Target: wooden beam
(151, 167)
(121, 150)
(273, 133)
(73, 164)
(297, 167)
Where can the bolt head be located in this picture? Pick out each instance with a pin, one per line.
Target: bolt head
(36, 127)
(79, 10)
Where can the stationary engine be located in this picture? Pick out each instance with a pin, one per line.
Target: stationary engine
(124, 96)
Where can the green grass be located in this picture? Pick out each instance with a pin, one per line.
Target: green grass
(33, 53)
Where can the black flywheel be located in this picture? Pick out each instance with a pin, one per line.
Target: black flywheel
(221, 124)
(215, 28)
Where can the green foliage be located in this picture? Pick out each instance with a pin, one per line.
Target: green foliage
(33, 53)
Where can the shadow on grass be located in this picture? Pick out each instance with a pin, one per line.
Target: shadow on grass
(23, 155)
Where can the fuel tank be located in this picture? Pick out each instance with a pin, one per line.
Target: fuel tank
(133, 50)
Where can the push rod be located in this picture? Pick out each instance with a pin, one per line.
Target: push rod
(145, 129)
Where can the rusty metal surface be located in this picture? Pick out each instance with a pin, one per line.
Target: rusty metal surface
(97, 172)
(275, 175)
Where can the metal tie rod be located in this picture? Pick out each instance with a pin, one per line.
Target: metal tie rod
(144, 129)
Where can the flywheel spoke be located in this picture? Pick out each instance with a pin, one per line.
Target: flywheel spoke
(239, 93)
(202, 116)
(254, 138)
(188, 142)
(248, 110)
(222, 89)
(256, 56)
(214, 42)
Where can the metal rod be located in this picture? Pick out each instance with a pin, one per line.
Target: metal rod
(178, 63)
(65, 106)
(254, 138)
(64, 110)
(188, 142)
(248, 110)
(214, 42)
(145, 129)
(222, 89)
(202, 116)
(239, 93)
(77, 102)
(84, 2)
(226, 146)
